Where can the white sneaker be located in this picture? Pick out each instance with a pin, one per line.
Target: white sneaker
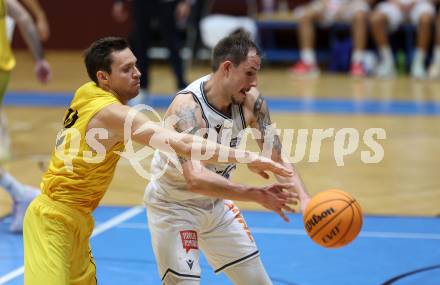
(434, 71)
(19, 209)
(386, 70)
(418, 71)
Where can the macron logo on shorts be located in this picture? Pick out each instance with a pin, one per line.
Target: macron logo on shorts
(189, 240)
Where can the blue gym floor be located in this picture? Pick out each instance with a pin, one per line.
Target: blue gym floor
(389, 250)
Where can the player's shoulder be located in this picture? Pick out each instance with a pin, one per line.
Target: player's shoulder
(184, 99)
(112, 112)
(186, 112)
(184, 105)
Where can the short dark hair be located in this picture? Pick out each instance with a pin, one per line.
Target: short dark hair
(98, 55)
(234, 47)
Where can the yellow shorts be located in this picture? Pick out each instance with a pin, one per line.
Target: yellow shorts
(56, 244)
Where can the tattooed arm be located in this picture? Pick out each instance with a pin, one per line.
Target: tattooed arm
(189, 117)
(202, 181)
(270, 143)
(124, 123)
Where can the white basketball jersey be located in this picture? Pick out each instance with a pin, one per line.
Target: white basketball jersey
(168, 182)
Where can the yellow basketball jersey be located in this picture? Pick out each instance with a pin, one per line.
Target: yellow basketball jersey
(7, 60)
(80, 169)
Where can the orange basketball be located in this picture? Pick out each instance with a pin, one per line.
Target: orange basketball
(333, 218)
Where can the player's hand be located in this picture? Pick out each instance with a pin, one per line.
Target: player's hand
(277, 198)
(257, 170)
(42, 71)
(304, 201)
(303, 197)
(261, 165)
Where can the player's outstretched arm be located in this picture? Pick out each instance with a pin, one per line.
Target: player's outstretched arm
(274, 197)
(269, 141)
(127, 123)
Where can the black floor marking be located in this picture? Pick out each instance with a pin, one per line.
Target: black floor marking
(401, 276)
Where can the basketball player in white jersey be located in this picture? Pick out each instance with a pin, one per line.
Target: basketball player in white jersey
(387, 17)
(188, 205)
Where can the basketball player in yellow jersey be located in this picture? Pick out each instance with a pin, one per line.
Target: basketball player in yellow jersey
(21, 194)
(58, 223)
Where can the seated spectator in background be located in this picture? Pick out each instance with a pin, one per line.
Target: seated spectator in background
(387, 17)
(220, 21)
(434, 69)
(213, 28)
(328, 12)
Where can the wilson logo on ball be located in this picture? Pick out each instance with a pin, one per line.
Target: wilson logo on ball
(315, 219)
(332, 234)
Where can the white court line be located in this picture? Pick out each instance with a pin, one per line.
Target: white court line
(301, 232)
(113, 222)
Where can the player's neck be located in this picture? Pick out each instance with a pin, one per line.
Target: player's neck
(114, 93)
(217, 97)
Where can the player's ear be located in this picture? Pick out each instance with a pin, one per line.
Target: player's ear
(102, 76)
(226, 67)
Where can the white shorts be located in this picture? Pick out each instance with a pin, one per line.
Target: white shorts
(333, 11)
(179, 232)
(396, 17)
